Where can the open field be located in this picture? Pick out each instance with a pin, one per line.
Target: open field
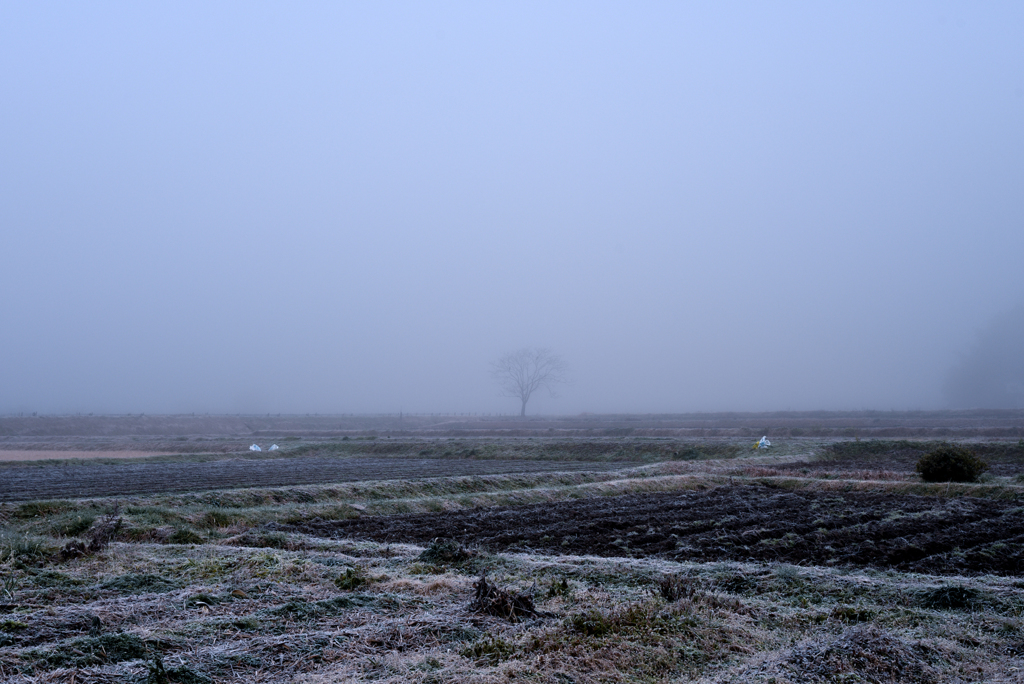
(605, 558)
(19, 484)
(72, 455)
(198, 432)
(734, 523)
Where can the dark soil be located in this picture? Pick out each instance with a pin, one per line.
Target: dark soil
(901, 456)
(735, 523)
(896, 464)
(80, 481)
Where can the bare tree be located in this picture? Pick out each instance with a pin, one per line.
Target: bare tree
(523, 372)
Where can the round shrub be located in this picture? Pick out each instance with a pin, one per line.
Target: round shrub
(950, 463)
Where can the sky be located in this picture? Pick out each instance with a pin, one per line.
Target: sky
(247, 207)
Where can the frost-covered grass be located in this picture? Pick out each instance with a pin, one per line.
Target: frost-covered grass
(216, 612)
(250, 603)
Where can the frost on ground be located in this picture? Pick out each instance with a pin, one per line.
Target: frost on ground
(319, 611)
(276, 586)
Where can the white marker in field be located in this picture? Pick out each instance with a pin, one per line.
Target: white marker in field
(255, 447)
(273, 447)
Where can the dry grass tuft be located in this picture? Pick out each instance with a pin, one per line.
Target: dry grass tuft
(491, 599)
(859, 654)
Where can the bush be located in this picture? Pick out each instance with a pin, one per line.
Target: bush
(950, 463)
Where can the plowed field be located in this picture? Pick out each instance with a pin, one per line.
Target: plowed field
(736, 523)
(51, 482)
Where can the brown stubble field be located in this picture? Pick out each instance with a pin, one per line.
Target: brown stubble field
(534, 552)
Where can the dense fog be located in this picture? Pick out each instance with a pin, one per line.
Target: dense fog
(991, 372)
(359, 207)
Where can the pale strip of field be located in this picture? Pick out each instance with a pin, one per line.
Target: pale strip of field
(34, 455)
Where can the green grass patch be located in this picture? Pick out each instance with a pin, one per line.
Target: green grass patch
(38, 509)
(25, 549)
(185, 536)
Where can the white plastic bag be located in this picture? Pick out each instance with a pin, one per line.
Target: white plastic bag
(255, 447)
(273, 447)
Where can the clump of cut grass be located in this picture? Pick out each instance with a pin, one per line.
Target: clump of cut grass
(90, 651)
(736, 582)
(260, 540)
(140, 583)
(675, 587)
(69, 524)
(593, 622)
(246, 624)
(490, 650)
(559, 588)
(952, 597)
(647, 617)
(215, 519)
(445, 552)
(153, 514)
(183, 535)
(52, 578)
(300, 609)
(491, 599)
(860, 654)
(852, 614)
(183, 674)
(645, 640)
(352, 578)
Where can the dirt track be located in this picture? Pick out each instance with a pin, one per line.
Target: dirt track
(740, 523)
(80, 481)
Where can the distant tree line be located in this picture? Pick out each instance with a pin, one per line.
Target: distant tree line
(991, 374)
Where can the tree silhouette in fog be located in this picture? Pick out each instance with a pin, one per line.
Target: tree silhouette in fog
(991, 374)
(523, 372)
